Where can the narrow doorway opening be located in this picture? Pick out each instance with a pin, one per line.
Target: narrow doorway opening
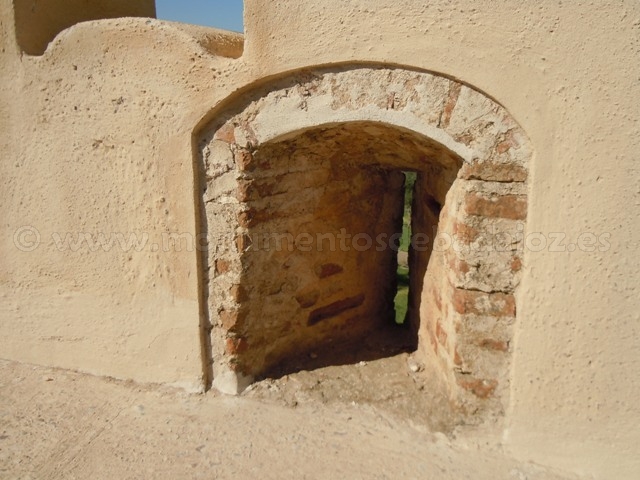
(401, 301)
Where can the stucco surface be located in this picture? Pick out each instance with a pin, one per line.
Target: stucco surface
(101, 145)
(567, 72)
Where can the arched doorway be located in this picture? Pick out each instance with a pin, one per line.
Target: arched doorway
(301, 181)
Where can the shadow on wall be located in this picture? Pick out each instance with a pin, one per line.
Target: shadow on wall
(324, 218)
(37, 22)
(311, 282)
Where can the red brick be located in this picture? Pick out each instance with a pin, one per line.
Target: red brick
(226, 133)
(480, 388)
(253, 217)
(458, 265)
(513, 207)
(328, 270)
(498, 345)
(503, 147)
(236, 345)
(222, 266)
(510, 141)
(244, 190)
(516, 264)
(481, 303)
(450, 104)
(231, 319)
(465, 233)
(494, 172)
(245, 218)
(244, 159)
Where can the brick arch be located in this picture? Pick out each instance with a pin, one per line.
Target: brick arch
(473, 158)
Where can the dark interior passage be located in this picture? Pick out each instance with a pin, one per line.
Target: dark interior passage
(325, 212)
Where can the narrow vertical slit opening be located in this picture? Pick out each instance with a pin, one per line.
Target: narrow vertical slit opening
(401, 301)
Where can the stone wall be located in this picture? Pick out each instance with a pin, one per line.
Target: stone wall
(322, 152)
(326, 281)
(123, 163)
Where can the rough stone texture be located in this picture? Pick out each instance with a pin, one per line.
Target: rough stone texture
(321, 153)
(310, 217)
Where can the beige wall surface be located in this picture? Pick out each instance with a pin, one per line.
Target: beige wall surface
(96, 136)
(569, 73)
(97, 141)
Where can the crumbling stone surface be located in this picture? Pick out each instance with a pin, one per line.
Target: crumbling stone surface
(320, 155)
